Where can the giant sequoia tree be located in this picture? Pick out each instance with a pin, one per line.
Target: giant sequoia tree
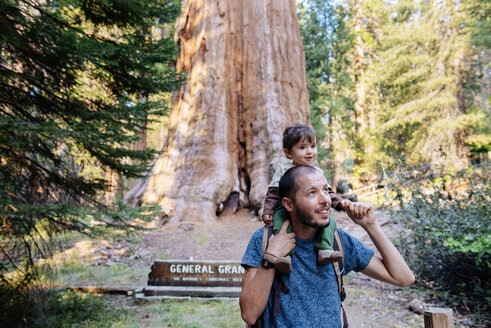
(246, 82)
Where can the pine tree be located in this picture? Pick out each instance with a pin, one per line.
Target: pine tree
(422, 82)
(478, 26)
(327, 42)
(71, 73)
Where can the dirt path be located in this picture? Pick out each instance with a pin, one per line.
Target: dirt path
(369, 303)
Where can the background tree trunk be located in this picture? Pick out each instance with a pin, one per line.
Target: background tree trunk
(115, 186)
(360, 87)
(482, 83)
(246, 82)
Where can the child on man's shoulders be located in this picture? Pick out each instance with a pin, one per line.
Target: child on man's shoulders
(300, 146)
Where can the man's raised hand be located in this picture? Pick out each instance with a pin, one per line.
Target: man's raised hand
(361, 213)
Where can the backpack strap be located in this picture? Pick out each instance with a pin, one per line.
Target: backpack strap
(338, 269)
(339, 265)
(267, 232)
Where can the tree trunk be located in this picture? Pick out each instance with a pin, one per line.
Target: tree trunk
(114, 184)
(141, 144)
(482, 83)
(246, 82)
(360, 88)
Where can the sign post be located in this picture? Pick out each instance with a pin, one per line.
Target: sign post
(195, 278)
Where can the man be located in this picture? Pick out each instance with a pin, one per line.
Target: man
(313, 299)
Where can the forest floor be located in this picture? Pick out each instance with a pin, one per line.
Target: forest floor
(369, 303)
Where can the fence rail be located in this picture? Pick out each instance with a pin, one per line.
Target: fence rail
(361, 191)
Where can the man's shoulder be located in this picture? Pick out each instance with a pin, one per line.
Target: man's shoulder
(257, 237)
(345, 236)
(356, 254)
(253, 253)
(342, 232)
(258, 234)
(348, 241)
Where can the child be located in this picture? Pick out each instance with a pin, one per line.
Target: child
(300, 145)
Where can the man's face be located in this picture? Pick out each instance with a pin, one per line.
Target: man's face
(312, 202)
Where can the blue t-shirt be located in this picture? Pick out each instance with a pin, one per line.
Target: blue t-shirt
(313, 300)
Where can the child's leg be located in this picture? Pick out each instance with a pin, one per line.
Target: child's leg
(283, 263)
(326, 238)
(325, 244)
(279, 217)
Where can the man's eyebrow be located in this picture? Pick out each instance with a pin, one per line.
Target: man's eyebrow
(313, 187)
(326, 185)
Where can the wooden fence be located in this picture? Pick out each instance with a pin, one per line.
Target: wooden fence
(438, 318)
(368, 190)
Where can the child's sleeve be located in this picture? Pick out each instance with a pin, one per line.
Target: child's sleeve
(335, 200)
(272, 200)
(273, 195)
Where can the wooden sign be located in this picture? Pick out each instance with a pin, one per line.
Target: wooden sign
(196, 273)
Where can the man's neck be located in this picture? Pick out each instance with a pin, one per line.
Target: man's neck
(301, 230)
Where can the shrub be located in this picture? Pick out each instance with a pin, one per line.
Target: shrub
(447, 241)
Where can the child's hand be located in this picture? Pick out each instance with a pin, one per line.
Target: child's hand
(267, 218)
(344, 203)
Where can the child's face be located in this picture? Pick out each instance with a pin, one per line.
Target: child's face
(303, 152)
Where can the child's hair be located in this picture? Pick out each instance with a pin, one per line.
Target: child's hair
(295, 133)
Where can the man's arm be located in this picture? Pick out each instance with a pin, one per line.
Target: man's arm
(257, 282)
(390, 267)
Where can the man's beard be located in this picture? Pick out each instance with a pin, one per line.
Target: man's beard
(307, 218)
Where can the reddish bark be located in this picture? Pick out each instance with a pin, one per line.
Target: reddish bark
(246, 83)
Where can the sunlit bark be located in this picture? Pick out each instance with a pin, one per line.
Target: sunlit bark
(246, 82)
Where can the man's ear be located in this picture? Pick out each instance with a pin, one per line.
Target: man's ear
(287, 204)
(287, 152)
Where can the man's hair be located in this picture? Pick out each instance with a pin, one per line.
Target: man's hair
(295, 133)
(288, 186)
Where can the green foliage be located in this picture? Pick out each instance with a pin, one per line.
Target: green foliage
(479, 24)
(425, 76)
(78, 310)
(426, 83)
(471, 243)
(326, 41)
(480, 141)
(73, 79)
(448, 236)
(74, 310)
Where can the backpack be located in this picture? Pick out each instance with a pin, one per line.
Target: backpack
(338, 269)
